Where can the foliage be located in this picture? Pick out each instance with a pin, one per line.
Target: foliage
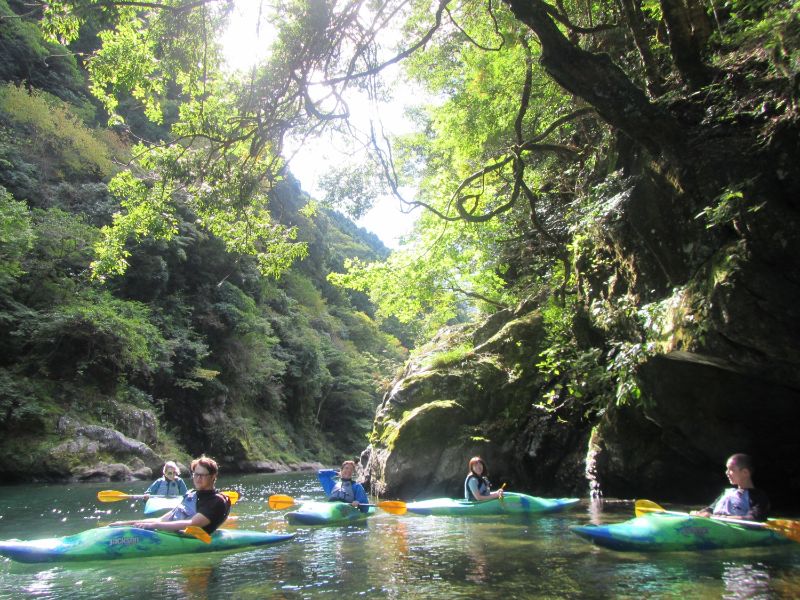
(95, 335)
(57, 132)
(16, 236)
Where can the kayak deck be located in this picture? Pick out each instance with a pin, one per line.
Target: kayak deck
(511, 503)
(326, 513)
(108, 543)
(660, 532)
(158, 504)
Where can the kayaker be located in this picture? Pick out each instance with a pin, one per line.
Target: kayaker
(202, 507)
(168, 485)
(347, 490)
(477, 486)
(743, 501)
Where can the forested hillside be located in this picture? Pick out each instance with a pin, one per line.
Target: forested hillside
(608, 191)
(192, 349)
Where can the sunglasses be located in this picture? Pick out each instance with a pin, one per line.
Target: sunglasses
(199, 475)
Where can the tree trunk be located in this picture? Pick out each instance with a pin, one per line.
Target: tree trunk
(601, 83)
(683, 44)
(633, 14)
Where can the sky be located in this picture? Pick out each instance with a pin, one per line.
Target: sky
(243, 46)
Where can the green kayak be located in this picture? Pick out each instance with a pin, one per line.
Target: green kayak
(104, 543)
(511, 504)
(660, 532)
(326, 513)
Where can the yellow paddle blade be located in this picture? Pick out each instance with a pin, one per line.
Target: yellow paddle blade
(113, 496)
(787, 527)
(279, 501)
(642, 507)
(198, 532)
(232, 495)
(395, 507)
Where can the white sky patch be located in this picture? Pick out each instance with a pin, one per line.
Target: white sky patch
(248, 40)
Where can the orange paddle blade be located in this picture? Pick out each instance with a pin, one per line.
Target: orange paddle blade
(198, 532)
(232, 495)
(395, 507)
(788, 527)
(279, 501)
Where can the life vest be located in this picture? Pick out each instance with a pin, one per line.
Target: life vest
(165, 487)
(343, 492)
(186, 509)
(484, 486)
(734, 502)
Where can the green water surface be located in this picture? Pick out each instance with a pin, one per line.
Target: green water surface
(388, 556)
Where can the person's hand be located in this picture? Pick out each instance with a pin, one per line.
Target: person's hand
(354, 504)
(146, 496)
(700, 513)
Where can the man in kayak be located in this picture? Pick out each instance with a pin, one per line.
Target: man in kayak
(203, 507)
(743, 501)
(168, 485)
(345, 490)
(477, 486)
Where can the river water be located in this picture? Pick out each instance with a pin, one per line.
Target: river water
(388, 556)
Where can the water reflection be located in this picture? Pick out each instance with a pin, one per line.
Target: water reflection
(387, 556)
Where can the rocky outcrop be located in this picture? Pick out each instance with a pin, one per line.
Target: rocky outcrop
(701, 410)
(440, 413)
(96, 453)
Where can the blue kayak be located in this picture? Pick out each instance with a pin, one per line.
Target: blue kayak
(107, 543)
(511, 504)
(326, 513)
(659, 532)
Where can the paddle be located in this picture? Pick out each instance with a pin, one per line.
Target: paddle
(198, 532)
(395, 507)
(787, 527)
(115, 496)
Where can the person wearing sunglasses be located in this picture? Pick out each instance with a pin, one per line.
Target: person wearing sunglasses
(169, 485)
(202, 507)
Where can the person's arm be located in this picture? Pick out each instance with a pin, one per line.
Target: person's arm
(198, 520)
(361, 497)
(182, 489)
(326, 479)
(473, 487)
(708, 510)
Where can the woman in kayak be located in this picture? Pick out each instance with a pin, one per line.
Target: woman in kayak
(168, 485)
(743, 501)
(203, 507)
(347, 490)
(477, 486)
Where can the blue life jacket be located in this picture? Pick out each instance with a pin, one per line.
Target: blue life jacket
(165, 487)
(484, 487)
(186, 509)
(343, 492)
(734, 502)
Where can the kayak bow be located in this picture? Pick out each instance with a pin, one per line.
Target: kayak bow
(107, 543)
(511, 504)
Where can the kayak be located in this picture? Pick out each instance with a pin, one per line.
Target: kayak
(511, 504)
(326, 513)
(105, 543)
(161, 504)
(660, 532)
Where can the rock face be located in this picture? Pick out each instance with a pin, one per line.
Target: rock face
(686, 297)
(96, 453)
(702, 410)
(442, 412)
